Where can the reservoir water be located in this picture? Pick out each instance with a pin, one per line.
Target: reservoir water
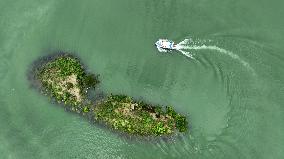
(231, 90)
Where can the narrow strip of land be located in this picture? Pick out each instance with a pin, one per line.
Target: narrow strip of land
(65, 79)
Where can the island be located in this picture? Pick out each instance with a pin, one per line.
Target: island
(65, 80)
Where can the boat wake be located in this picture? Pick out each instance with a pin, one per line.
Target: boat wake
(188, 44)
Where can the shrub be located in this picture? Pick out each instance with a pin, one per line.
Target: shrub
(181, 123)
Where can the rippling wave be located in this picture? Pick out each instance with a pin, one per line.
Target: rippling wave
(233, 89)
(242, 117)
(3, 67)
(186, 45)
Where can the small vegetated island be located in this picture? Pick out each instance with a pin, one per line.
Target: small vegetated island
(65, 79)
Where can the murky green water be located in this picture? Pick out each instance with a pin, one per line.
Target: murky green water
(234, 98)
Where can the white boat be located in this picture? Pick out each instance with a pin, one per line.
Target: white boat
(165, 45)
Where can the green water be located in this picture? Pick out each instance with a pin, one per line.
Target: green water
(233, 96)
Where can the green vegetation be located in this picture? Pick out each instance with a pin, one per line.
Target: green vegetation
(64, 79)
(123, 113)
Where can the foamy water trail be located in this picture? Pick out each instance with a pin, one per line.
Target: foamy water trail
(188, 54)
(184, 45)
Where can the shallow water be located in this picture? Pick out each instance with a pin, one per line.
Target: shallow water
(232, 91)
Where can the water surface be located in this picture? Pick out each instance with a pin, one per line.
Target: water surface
(232, 92)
